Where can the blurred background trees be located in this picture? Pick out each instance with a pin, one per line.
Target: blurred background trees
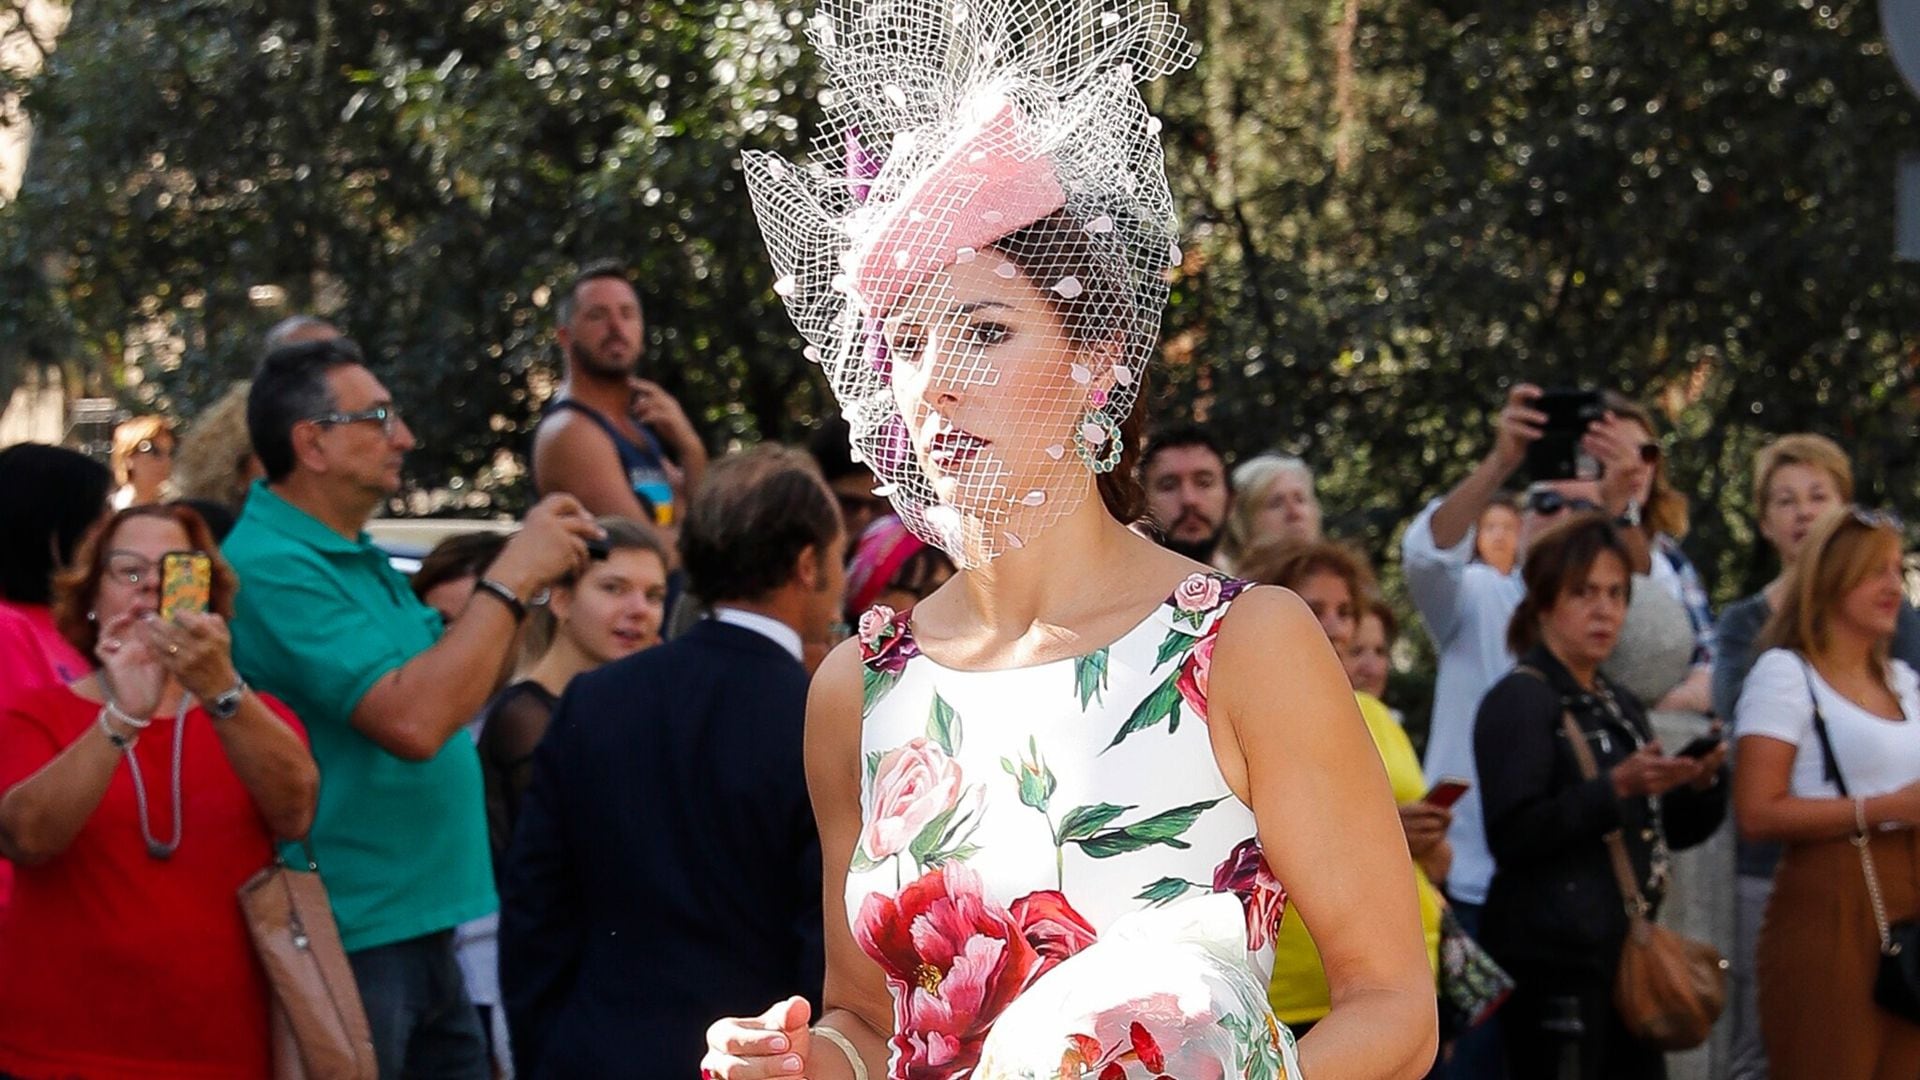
(1393, 208)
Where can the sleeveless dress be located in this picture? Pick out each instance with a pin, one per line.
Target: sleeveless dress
(1052, 871)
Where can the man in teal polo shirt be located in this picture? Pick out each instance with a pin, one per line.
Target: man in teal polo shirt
(323, 622)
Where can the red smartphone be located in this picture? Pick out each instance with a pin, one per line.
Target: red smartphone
(186, 583)
(1447, 791)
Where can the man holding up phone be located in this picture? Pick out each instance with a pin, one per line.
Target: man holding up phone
(1466, 605)
(384, 687)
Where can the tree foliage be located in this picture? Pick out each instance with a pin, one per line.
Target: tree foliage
(1394, 208)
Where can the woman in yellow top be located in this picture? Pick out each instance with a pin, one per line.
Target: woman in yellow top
(1334, 581)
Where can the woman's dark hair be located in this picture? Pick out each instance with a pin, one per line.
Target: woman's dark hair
(1560, 559)
(49, 497)
(1100, 315)
(78, 586)
(1666, 508)
(290, 386)
(1290, 563)
(462, 555)
(754, 514)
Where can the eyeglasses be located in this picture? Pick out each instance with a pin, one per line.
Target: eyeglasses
(148, 446)
(386, 416)
(1552, 502)
(134, 570)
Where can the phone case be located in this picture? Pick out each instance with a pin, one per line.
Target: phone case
(186, 583)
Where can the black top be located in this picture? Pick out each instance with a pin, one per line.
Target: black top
(665, 871)
(1553, 904)
(511, 726)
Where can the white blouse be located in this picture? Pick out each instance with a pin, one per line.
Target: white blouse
(1876, 755)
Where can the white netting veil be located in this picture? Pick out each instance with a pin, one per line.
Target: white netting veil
(977, 253)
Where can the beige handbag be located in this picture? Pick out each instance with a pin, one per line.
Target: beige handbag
(320, 1030)
(1669, 989)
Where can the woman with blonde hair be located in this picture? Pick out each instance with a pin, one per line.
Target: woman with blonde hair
(142, 460)
(215, 461)
(1273, 503)
(1829, 728)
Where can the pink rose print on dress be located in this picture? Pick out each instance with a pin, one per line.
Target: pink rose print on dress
(1192, 682)
(914, 784)
(954, 960)
(1052, 927)
(873, 623)
(1245, 874)
(1200, 592)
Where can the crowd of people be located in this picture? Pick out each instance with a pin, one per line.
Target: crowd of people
(996, 735)
(525, 799)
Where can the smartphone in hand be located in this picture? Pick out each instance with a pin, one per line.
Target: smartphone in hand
(186, 583)
(1701, 747)
(1446, 791)
(1556, 454)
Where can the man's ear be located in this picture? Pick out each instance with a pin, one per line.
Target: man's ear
(807, 569)
(305, 438)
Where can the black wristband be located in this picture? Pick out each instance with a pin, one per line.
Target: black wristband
(490, 587)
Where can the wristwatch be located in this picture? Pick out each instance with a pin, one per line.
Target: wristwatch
(1631, 517)
(490, 587)
(227, 704)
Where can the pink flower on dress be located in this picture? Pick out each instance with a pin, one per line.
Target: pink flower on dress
(873, 624)
(1200, 592)
(913, 785)
(1192, 683)
(1052, 927)
(1245, 874)
(954, 960)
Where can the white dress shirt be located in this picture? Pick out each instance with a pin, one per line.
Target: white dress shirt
(766, 626)
(1466, 606)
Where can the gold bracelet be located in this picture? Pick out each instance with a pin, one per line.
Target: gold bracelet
(846, 1047)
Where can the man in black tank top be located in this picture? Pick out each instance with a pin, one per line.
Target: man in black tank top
(618, 443)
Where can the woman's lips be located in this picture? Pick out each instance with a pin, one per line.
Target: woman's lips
(950, 449)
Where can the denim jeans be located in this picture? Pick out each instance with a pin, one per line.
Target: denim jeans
(424, 1026)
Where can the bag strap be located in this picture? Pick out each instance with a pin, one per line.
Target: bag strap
(1629, 883)
(1861, 842)
(1829, 761)
(1623, 875)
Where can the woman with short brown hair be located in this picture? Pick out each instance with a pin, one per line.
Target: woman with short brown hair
(124, 949)
(1555, 918)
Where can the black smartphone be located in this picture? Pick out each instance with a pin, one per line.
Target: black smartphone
(597, 549)
(1701, 747)
(1556, 454)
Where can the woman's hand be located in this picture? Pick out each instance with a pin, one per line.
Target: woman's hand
(1709, 766)
(778, 1042)
(130, 666)
(194, 648)
(1425, 825)
(1651, 772)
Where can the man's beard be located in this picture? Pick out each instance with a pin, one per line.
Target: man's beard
(1201, 550)
(582, 359)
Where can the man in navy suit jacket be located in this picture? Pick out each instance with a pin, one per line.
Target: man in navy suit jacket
(666, 869)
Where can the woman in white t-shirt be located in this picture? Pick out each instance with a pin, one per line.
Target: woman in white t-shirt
(1826, 665)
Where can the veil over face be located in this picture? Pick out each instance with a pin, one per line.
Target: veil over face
(977, 254)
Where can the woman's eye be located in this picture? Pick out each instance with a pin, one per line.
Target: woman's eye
(987, 334)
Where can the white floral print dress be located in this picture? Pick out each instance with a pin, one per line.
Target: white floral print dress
(1051, 869)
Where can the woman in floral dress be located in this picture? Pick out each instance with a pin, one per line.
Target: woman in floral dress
(1065, 801)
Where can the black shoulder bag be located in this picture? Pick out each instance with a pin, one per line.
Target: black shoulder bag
(1896, 988)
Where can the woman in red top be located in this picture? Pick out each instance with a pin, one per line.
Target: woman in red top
(135, 801)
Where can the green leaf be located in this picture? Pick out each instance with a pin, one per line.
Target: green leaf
(1090, 677)
(1171, 823)
(1176, 643)
(929, 839)
(943, 725)
(860, 863)
(874, 758)
(1160, 705)
(873, 687)
(1164, 891)
(1083, 821)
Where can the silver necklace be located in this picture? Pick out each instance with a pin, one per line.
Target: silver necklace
(155, 848)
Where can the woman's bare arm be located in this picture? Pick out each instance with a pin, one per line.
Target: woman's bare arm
(1291, 741)
(1766, 808)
